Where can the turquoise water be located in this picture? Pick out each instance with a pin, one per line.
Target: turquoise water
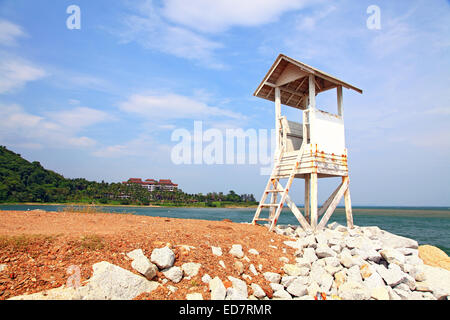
(426, 225)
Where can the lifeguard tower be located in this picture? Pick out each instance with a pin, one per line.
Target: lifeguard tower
(310, 150)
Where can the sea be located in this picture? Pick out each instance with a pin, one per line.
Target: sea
(427, 225)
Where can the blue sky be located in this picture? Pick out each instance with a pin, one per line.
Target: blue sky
(102, 102)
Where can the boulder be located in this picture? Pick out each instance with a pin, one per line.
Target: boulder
(163, 257)
(234, 294)
(239, 285)
(236, 251)
(352, 290)
(142, 265)
(194, 296)
(380, 293)
(258, 292)
(297, 288)
(191, 269)
(393, 256)
(295, 270)
(392, 275)
(323, 251)
(217, 288)
(390, 240)
(174, 274)
(206, 278)
(309, 254)
(272, 277)
(281, 295)
(217, 251)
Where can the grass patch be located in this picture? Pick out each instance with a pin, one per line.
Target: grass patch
(23, 241)
(92, 242)
(82, 209)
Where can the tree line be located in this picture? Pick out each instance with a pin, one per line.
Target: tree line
(24, 181)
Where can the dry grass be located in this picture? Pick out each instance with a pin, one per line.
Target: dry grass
(89, 208)
(92, 242)
(22, 241)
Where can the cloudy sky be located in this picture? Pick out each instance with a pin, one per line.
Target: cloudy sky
(101, 102)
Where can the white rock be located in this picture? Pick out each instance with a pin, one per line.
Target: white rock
(252, 269)
(217, 288)
(393, 256)
(142, 265)
(374, 281)
(174, 274)
(222, 264)
(276, 286)
(309, 254)
(392, 275)
(163, 257)
(194, 296)
(217, 251)
(236, 251)
(323, 251)
(297, 288)
(352, 290)
(239, 285)
(346, 259)
(287, 280)
(206, 278)
(281, 295)
(191, 269)
(135, 254)
(111, 282)
(295, 270)
(272, 277)
(258, 292)
(234, 294)
(3, 267)
(380, 293)
(303, 262)
(390, 240)
(253, 251)
(354, 274)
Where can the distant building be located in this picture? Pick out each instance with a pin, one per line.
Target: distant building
(152, 184)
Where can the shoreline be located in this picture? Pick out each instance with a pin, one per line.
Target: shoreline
(37, 248)
(80, 204)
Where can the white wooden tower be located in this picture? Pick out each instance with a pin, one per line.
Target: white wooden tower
(310, 150)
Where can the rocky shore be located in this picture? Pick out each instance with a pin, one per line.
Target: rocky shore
(363, 263)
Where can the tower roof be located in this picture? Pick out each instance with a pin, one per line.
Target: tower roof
(291, 76)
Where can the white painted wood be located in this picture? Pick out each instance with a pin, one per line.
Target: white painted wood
(277, 117)
(332, 206)
(313, 200)
(348, 204)
(312, 92)
(327, 131)
(340, 105)
(307, 204)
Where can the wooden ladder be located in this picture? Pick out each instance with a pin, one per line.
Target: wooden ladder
(274, 187)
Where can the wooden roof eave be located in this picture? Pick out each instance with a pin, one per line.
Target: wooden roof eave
(308, 70)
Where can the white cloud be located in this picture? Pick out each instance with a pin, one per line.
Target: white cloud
(15, 73)
(60, 129)
(9, 32)
(220, 15)
(146, 27)
(173, 106)
(142, 146)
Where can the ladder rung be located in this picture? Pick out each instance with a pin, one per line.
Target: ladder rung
(269, 205)
(274, 190)
(263, 219)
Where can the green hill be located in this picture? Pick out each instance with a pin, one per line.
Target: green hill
(24, 181)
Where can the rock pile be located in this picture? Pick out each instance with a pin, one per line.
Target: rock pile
(336, 263)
